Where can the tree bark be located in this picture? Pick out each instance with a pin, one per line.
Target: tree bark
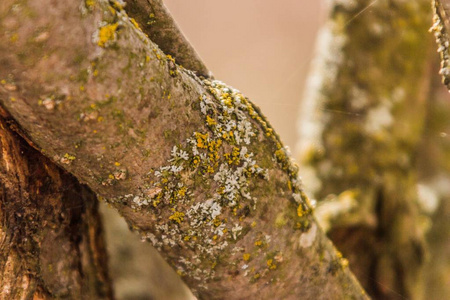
(191, 164)
(362, 124)
(434, 176)
(155, 20)
(51, 235)
(440, 28)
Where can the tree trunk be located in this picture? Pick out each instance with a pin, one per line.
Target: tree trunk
(51, 236)
(434, 178)
(190, 163)
(362, 124)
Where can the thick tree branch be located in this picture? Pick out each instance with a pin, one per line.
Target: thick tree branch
(192, 165)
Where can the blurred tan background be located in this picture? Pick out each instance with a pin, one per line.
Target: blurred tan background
(262, 48)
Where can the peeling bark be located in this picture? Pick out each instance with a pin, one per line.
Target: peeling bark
(51, 235)
(191, 164)
(362, 123)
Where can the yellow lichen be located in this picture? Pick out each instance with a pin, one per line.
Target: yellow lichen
(182, 192)
(217, 222)
(201, 140)
(280, 221)
(106, 34)
(300, 211)
(89, 4)
(210, 121)
(14, 38)
(135, 23)
(246, 256)
(271, 264)
(177, 217)
(69, 157)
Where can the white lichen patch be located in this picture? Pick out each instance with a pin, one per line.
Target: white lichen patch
(325, 67)
(307, 238)
(219, 155)
(202, 195)
(379, 118)
(48, 103)
(428, 198)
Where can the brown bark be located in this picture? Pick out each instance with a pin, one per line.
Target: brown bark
(191, 164)
(155, 20)
(51, 235)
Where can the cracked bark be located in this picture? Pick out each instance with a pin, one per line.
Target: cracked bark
(51, 235)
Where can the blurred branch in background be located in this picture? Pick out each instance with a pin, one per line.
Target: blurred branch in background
(361, 129)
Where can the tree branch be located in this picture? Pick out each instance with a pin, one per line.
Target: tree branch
(155, 20)
(440, 28)
(43, 206)
(361, 126)
(190, 164)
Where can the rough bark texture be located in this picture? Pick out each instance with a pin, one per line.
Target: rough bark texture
(366, 111)
(440, 28)
(146, 275)
(190, 164)
(51, 236)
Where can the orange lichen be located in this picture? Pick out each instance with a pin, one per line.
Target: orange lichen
(106, 34)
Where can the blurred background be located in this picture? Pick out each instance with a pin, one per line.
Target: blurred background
(262, 48)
